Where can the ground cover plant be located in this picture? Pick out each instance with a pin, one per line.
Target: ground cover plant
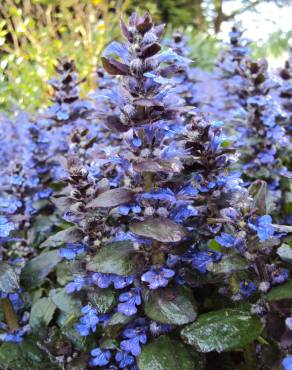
(136, 233)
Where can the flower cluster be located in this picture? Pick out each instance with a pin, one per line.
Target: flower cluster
(129, 227)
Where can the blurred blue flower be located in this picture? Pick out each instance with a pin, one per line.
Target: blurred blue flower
(247, 288)
(129, 301)
(157, 277)
(201, 259)
(124, 359)
(71, 251)
(76, 285)
(5, 227)
(287, 363)
(263, 226)
(279, 276)
(101, 357)
(135, 337)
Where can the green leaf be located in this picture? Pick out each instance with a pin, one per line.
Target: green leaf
(228, 265)
(70, 235)
(261, 197)
(24, 356)
(285, 253)
(116, 324)
(83, 344)
(171, 305)
(165, 353)
(116, 258)
(79, 363)
(66, 302)
(41, 313)
(283, 291)
(222, 330)
(112, 198)
(102, 299)
(162, 229)
(66, 270)
(8, 278)
(37, 269)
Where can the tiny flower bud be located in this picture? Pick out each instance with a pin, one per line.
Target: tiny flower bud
(288, 323)
(149, 211)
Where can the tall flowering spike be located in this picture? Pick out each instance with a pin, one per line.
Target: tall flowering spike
(188, 76)
(67, 106)
(230, 62)
(285, 92)
(146, 71)
(262, 135)
(66, 85)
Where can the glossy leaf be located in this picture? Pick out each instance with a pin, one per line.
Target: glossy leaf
(285, 253)
(165, 353)
(41, 313)
(222, 330)
(161, 229)
(65, 302)
(280, 292)
(37, 269)
(25, 356)
(171, 306)
(70, 235)
(102, 299)
(153, 166)
(228, 265)
(112, 198)
(8, 278)
(113, 67)
(259, 192)
(116, 258)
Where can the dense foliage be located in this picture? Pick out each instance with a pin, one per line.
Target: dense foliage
(137, 233)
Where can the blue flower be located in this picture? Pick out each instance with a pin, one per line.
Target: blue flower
(102, 280)
(101, 357)
(71, 251)
(134, 338)
(263, 226)
(76, 285)
(10, 205)
(126, 209)
(129, 301)
(120, 282)
(5, 227)
(279, 276)
(287, 363)
(188, 190)
(201, 259)
(124, 359)
(163, 195)
(15, 337)
(183, 212)
(157, 277)
(247, 288)
(226, 240)
(88, 322)
(267, 156)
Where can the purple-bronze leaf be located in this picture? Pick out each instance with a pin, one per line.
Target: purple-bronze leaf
(111, 198)
(161, 229)
(114, 67)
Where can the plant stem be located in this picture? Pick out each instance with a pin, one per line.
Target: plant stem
(148, 178)
(10, 316)
(250, 358)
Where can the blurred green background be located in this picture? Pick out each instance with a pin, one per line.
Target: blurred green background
(33, 33)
